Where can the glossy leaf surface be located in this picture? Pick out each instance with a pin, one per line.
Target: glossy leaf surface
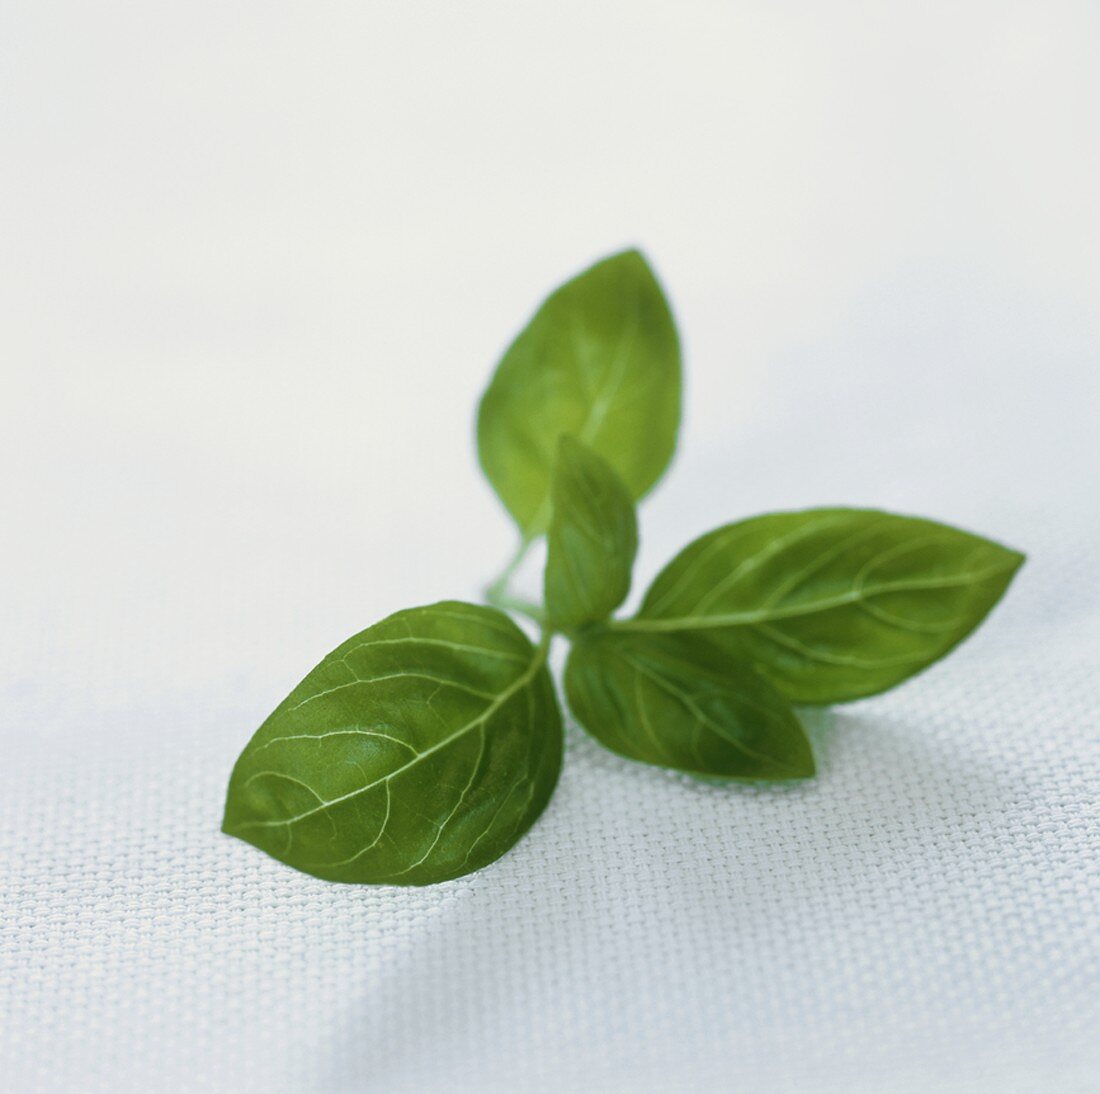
(419, 750)
(600, 360)
(592, 540)
(678, 701)
(833, 604)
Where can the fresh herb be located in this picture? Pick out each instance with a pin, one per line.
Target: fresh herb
(424, 747)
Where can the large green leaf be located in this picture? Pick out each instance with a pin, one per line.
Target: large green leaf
(601, 360)
(419, 750)
(679, 701)
(834, 604)
(592, 540)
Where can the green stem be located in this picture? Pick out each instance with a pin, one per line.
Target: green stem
(499, 587)
(508, 603)
(497, 594)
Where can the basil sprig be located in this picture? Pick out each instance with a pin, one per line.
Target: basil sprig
(424, 747)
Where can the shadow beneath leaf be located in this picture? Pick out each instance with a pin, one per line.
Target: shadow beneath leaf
(642, 889)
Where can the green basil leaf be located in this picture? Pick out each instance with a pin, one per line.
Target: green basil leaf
(601, 360)
(834, 604)
(419, 750)
(677, 700)
(592, 540)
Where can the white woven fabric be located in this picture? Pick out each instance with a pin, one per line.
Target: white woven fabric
(257, 264)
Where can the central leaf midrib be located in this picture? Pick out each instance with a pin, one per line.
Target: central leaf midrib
(594, 415)
(794, 611)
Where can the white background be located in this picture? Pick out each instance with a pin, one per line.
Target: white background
(256, 263)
